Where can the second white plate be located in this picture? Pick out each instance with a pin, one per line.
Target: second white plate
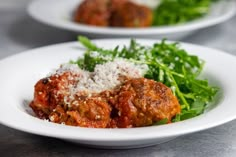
(58, 13)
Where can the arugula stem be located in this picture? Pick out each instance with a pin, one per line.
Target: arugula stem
(179, 93)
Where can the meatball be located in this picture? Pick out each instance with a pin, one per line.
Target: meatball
(113, 13)
(142, 102)
(92, 112)
(53, 101)
(50, 91)
(114, 4)
(93, 12)
(129, 14)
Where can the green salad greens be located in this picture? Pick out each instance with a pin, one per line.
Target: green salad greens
(171, 12)
(167, 63)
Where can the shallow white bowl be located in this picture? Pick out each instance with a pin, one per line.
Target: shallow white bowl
(58, 13)
(20, 72)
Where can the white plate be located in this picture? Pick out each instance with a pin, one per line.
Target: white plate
(58, 13)
(20, 72)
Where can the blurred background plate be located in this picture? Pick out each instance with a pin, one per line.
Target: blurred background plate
(58, 13)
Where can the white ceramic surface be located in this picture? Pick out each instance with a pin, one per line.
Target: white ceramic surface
(20, 72)
(58, 13)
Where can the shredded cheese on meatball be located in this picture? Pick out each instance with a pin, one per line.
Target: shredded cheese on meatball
(105, 76)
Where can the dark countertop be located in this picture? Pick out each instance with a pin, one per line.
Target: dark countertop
(18, 32)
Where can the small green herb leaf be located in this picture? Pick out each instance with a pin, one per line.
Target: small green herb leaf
(161, 122)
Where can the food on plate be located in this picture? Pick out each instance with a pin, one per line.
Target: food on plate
(133, 86)
(134, 13)
(138, 15)
(171, 12)
(54, 100)
(93, 12)
(143, 102)
(114, 95)
(113, 13)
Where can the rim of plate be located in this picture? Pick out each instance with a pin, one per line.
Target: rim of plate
(11, 117)
(35, 10)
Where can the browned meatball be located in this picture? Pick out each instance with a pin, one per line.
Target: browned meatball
(93, 12)
(114, 4)
(142, 102)
(92, 112)
(118, 13)
(53, 101)
(129, 14)
(50, 91)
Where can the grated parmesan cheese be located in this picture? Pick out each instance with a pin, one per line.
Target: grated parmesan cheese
(105, 76)
(73, 68)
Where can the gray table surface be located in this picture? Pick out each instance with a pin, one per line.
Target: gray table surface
(18, 32)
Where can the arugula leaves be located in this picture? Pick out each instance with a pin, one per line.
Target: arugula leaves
(171, 12)
(167, 63)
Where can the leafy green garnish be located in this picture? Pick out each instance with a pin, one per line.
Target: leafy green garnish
(167, 63)
(171, 12)
(161, 122)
